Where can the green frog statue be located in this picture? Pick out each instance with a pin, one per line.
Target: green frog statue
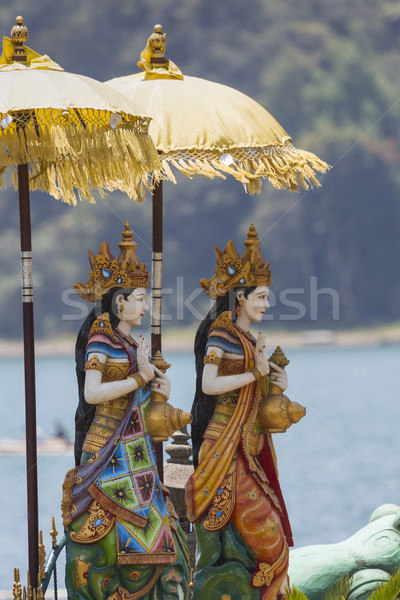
(370, 556)
(123, 538)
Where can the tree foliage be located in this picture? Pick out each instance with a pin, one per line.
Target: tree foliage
(328, 71)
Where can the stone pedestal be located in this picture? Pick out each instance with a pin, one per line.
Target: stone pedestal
(177, 471)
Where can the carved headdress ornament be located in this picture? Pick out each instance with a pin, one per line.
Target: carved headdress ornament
(107, 272)
(232, 271)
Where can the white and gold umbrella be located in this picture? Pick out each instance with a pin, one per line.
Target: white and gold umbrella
(64, 134)
(206, 128)
(75, 133)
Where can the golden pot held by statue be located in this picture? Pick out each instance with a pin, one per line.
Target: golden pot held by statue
(277, 413)
(162, 419)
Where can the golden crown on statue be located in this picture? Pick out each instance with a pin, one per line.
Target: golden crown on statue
(107, 272)
(234, 271)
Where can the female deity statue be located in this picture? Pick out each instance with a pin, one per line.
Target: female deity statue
(234, 497)
(123, 537)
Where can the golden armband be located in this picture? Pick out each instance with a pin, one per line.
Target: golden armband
(212, 359)
(139, 379)
(256, 374)
(94, 364)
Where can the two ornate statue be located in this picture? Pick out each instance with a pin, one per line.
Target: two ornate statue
(123, 538)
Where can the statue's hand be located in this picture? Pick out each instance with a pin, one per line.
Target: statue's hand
(260, 355)
(278, 376)
(161, 384)
(145, 367)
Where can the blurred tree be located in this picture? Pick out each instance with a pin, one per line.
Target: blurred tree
(329, 72)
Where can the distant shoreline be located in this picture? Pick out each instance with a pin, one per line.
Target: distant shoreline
(182, 339)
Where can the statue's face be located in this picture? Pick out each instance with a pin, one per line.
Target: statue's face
(133, 308)
(255, 305)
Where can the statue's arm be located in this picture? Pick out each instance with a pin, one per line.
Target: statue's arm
(96, 391)
(213, 384)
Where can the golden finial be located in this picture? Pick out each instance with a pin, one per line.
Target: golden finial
(29, 592)
(279, 358)
(152, 58)
(39, 590)
(158, 361)
(128, 247)
(42, 556)
(19, 35)
(53, 533)
(17, 586)
(157, 45)
(24, 594)
(252, 237)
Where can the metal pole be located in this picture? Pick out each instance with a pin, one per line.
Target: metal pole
(156, 294)
(29, 363)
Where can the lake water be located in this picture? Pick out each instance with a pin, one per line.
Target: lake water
(336, 466)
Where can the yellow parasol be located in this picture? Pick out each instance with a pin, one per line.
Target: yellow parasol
(202, 127)
(206, 128)
(64, 133)
(73, 131)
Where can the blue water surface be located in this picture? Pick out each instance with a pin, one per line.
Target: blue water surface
(336, 466)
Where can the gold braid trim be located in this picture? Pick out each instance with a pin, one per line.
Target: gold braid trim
(247, 444)
(224, 321)
(183, 543)
(123, 594)
(102, 325)
(256, 374)
(266, 572)
(94, 364)
(139, 379)
(114, 508)
(224, 502)
(147, 559)
(212, 359)
(66, 502)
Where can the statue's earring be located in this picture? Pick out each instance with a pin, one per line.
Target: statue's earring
(121, 310)
(240, 304)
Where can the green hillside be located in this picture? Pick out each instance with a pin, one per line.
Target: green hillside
(330, 74)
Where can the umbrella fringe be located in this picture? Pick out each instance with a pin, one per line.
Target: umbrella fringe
(65, 159)
(207, 168)
(285, 166)
(168, 171)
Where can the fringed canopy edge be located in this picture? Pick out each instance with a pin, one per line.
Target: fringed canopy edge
(285, 166)
(65, 160)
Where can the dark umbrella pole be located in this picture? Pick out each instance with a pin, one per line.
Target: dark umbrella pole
(29, 363)
(156, 294)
